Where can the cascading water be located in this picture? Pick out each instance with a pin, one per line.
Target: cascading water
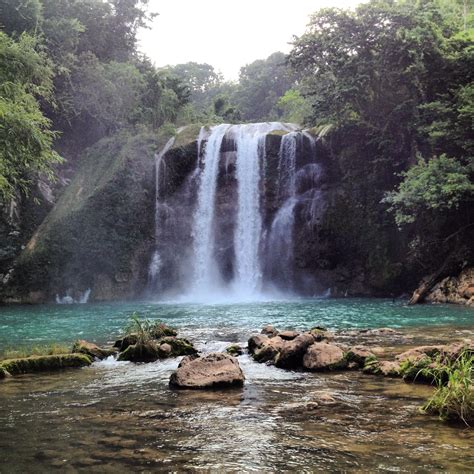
(280, 242)
(160, 175)
(205, 277)
(227, 226)
(248, 230)
(287, 164)
(280, 246)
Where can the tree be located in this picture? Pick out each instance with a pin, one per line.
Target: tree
(25, 137)
(435, 186)
(394, 81)
(261, 84)
(203, 81)
(293, 107)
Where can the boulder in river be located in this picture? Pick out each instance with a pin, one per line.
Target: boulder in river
(323, 356)
(358, 355)
(140, 352)
(291, 353)
(92, 350)
(210, 371)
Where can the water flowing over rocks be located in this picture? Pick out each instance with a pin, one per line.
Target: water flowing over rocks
(211, 371)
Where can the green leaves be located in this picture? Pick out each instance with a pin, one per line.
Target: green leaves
(439, 184)
(25, 136)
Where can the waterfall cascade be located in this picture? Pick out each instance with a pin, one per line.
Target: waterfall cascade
(243, 202)
(160, 177)
(204, 265)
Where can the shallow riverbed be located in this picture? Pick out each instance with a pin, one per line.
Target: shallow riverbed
(121, 416)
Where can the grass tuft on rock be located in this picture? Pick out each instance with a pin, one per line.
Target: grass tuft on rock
(146, 330)
(454, 396)
(41, 350)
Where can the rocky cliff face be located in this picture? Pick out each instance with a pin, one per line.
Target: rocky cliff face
(97, 235)
(454, 289)
(118, 214)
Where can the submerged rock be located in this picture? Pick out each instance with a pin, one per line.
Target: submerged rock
(214, 370)
(324, 356)
(92, 350)
(27, 365)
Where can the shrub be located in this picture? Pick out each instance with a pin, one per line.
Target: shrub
(454, 396)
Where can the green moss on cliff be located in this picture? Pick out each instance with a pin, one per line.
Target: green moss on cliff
(98, 233)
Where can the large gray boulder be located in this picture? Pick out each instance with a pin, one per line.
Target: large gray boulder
(324, 356)
(214, 370)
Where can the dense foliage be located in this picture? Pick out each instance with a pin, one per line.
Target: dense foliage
(394, 83)
(70, 75)
(25, 135)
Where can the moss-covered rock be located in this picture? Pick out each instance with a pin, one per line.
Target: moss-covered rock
(161, 330)
(140, 352)
(4, 373)
(48, 363)
(179, 346)
(385, 367)
(234, 350)
(128, 340)
(92, 350)
(152, 350)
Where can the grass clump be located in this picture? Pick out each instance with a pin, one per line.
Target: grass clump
(41, 350)
(454, 396)
(144, 330)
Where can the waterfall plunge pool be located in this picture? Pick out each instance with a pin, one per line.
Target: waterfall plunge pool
(114, 416)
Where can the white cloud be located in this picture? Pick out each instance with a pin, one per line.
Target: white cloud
(226, 34)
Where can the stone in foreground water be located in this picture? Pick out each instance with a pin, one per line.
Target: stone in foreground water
(214, 370)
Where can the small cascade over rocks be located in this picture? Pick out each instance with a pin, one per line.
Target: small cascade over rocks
(225, 229)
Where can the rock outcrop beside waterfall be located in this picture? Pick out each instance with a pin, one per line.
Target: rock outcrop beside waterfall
(99, 233)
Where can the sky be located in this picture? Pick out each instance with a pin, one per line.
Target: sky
(226, 34)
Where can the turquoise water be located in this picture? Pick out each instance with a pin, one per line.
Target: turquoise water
(30, 325)
(122, 417)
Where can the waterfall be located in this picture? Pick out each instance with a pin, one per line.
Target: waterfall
(280, 242)
(205, 277)
(250, 141)
(280, 245)
(226, 231)
(160, 178)
(287, 164)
